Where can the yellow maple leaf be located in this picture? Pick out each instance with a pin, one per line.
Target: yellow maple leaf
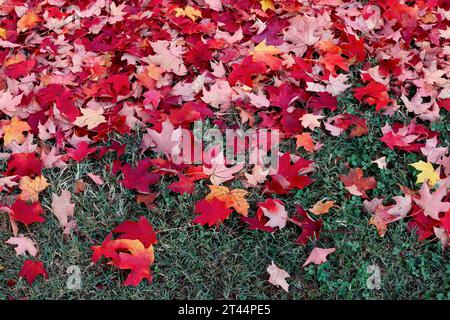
(321, 207)
(427, 172)
(14, 131)
(234, 198)
(90, 118)
(266, 54)
(267, 4)
(27, 21)
(189, 12)
(31, 188)
(262, 48)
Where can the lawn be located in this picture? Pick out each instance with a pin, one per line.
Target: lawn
(230, 262)
(102, 83)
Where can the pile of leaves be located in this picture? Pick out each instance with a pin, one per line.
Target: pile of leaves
(75, 73)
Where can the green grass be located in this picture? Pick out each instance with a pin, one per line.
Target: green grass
(230, 262)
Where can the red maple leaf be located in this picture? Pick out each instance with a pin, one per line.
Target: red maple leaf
(24, 164)
(356, 184)
(354, 48)
(287, 177)
(19, 70)
(211, 212)
(115, 85)
(139, 178)
(190, 112)
(244, 71)
(374, 93)
(132, 250)
(332, 61)
(445, 220)
(257, 223)
(406, 137)
(62, 97)
(285, 94)
(129, 255)
(346, 120)
(81, 151)
(184, 185)
(31, 269)
(310, 227)
(198, 55)
(27, 213)
(141, 230)
(421, 224)
(323, 100)
(138, 261)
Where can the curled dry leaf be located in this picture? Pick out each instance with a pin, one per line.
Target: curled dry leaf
(322, 207)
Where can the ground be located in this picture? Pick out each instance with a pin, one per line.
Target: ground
(193, 262)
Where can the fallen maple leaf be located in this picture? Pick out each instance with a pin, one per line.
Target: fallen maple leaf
(90, 118)
(95, 178)
(233, 199)
(219, 172)
(275, 211)
(421, 224)
(374, 94)
(257, 176)
(310, 228)
(141, 230)
(128, 255)
(184, 185)
(321, 207)
(27, 21)
(311, 121)
(31, 269)
(427, 173)
(431, 203)
(167, 57)
(63, 210)
(14, 131)
(147, 200)
(211, 212)
(31, 188)
(189, 12)
(318, 256)
(24, 245)
(356, 184)
(166, 142)
(139, 178)
(305, 140)
(27, 213)
(267, 54)
(278, 276)
(81, 151)
(138, 261)
(380, 162)
(384, 215)
(79, 186)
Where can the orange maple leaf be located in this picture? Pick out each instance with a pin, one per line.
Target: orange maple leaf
(127, 254)
(321, 207)
(14, 131)
(234, 198)
(27, 21)
(305, 140)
